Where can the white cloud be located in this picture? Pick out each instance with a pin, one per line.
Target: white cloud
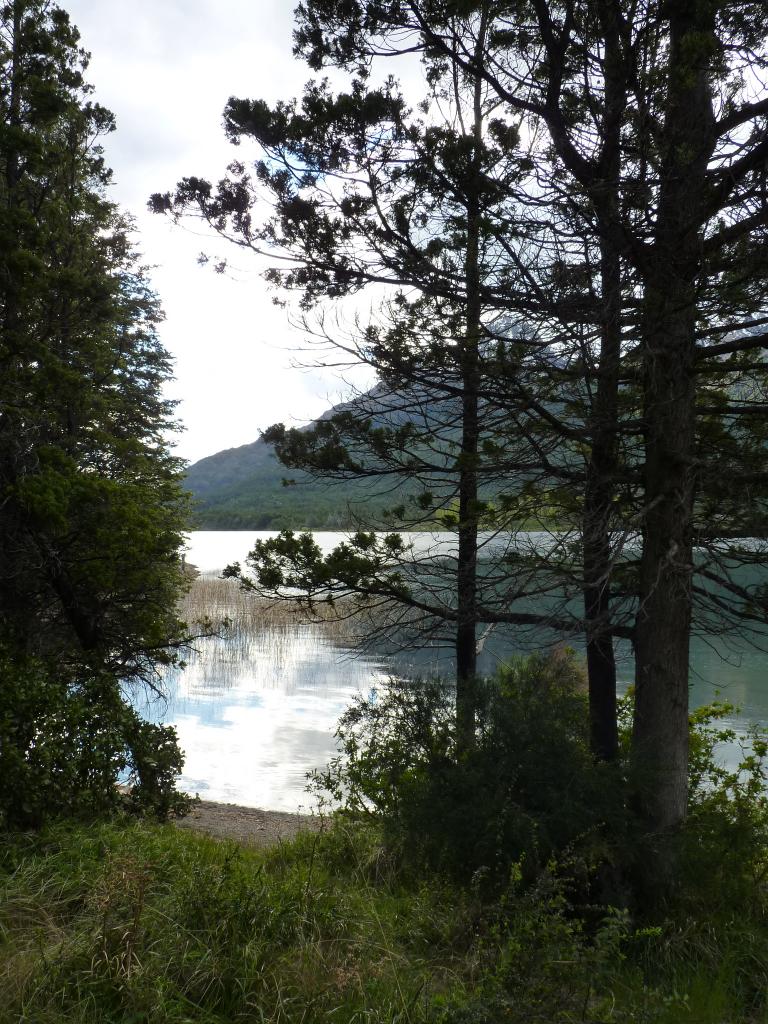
(166, 69)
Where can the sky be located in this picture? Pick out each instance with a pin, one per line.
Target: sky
(166, 69)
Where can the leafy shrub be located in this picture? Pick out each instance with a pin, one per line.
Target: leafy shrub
(528, 791)
(728, 807)
(724, 863)
(65, 745)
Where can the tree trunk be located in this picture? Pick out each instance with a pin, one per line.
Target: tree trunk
(466, 573)
(12, 432)
(660, 734)
(466, 578)
(601, 470)
(598, 502)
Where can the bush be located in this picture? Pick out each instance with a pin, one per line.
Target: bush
(725, 839)
(65, 746)
(528, 791)
(530, 824)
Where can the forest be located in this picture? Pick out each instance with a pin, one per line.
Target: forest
(541, 225)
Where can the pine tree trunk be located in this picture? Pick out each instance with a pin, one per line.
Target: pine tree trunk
(601, 468)
(598, 502)
(466, 577)
(466, 625)
(660, 733)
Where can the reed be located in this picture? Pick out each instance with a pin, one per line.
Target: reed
(220, 604)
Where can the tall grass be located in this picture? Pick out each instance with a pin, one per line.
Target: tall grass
(143, 924)
(137, 924)
(237, 615)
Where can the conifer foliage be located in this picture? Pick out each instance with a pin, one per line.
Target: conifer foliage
(91, 509)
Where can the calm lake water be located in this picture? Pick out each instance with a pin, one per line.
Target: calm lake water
(254, 719)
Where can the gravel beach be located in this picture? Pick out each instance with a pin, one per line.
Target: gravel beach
(248, 825)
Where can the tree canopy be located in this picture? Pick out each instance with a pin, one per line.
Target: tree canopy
(91, 506)
(618, 178)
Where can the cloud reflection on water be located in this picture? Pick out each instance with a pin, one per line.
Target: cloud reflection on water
(254, 716)
(256, 712)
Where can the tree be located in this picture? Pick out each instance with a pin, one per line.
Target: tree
(365, 193)
(652, 129)
(632, 247)
(91, 507)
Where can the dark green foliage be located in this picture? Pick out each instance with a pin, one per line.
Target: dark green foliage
(725, 840)
(529, 794)
(65, 745)
(528, 791)
(91, 508)
(243, 489)
(126, 923)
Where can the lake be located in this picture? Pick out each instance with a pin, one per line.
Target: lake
(254, 718)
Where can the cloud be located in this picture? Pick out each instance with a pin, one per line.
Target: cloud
(166, 69)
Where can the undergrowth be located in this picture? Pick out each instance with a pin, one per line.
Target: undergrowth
(456, 888)
(137, 924)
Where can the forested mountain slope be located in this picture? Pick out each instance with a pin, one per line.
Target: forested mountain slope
(243, 489)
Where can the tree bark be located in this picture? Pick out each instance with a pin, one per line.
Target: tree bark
(660, 733)
(601, 467)
(466, 574)
(598, 501)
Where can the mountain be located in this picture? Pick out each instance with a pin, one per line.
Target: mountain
(242, 488)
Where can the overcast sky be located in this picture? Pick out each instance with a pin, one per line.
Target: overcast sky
(166, 69)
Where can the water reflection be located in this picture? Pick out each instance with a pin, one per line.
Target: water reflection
(256, 711)
(255, 714)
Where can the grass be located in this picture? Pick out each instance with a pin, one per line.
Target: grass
(217, 600)
(138, 924)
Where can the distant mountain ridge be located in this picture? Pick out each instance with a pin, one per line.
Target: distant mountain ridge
(242, 488)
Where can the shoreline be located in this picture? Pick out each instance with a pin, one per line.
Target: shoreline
(250, 826)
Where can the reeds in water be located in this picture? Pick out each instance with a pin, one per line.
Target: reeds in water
(221, 605)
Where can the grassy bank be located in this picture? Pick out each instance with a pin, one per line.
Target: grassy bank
(137, 923)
